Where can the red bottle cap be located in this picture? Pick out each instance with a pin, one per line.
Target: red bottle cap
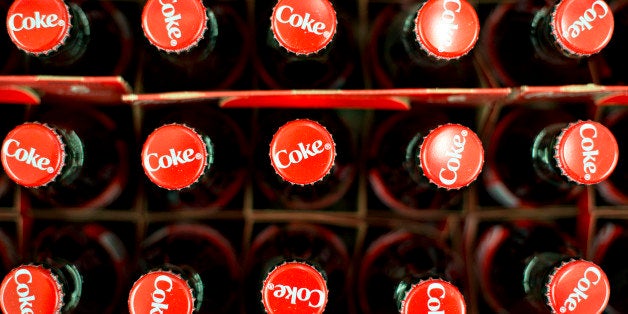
(582, 27)
(451, 156)
(174, 156)
(302, 152)
(578, 287)
(31, 287)
(433, 296)
(447, 29)
(303, 27)
(33, 154)
(587, 152)
(161, 291)
(174, 26)
(38, 26)
(294, 287)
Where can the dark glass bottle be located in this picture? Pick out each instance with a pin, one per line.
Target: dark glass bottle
(194, 157)
(304, 45)
(48, 287)
(79, 37)
(609, 250)
(317, 251)
(186, 268)
(194, 45)
(75, 269)
(69, 157)
(426, 44)
(538, 156)
(312, 160)
(401, 271)
(533, 42)
(533, 267)
(615, 189)
(409, 168)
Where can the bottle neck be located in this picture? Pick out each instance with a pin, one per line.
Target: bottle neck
(74, 156)
(193, 279)
(537, 274)
(543, 40)
(75, 44)
(203, 49)
(543, 155)
(412, 162)
(70, 280)
(412, 47)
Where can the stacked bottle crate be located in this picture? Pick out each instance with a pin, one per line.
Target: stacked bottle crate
(392, 156)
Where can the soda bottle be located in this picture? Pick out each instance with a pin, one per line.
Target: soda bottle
(193, 45)
(309, 259)
(186, 268)
(538, 156)
(530, 42)
(425, 44)
(74, 269)
(608, 248)
(405, 272)
(67, 156)
(306, 45)
(614, 189)
(312, 157)
(194, 157)
(534, 267)
(419, 160)
(71, 38)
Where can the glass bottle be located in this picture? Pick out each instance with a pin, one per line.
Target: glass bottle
(69, 38)
(68, 157)
(194, 157)
(420, 159)
(186, 268)
(304, 45)
(405, 272)
(194, 45)
(425, 44)
(292, 255)
(312, 160)
(528, 266)
(74, 269)
(535, 42)
(538, 156)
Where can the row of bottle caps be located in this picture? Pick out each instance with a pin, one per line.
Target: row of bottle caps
(197, 157)
(307, 45)
(304, 268)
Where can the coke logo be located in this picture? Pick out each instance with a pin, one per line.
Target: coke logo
(435, 292)
(304, 22)
(171, 18)
(449, 175)
(295, 294)
(588, 132)
(162, 285)
(23, 278)
(448, 17)
(303, 152)
(598, 10)
(590, 278)
(154, 162)
(29, 157)
(17, 22)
